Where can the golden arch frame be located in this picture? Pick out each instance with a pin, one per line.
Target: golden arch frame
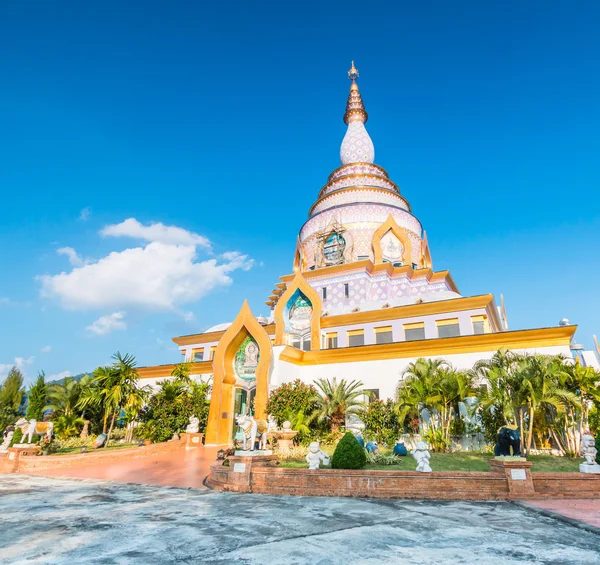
(391, 225)
(299, 283)
(220, 415)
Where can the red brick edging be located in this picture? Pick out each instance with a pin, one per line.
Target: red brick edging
(262, 476)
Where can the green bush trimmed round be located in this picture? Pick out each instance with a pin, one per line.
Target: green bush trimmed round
(348, 454)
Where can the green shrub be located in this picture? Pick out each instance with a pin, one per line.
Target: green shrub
(598, 446)
(348, 454)
(17, 437)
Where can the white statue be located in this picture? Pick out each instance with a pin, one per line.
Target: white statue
(588, 448)
(315, 456)
(252, 429)
(31, 427)
(271, 423)
(8, 435)
(193, 426)
(422, 456)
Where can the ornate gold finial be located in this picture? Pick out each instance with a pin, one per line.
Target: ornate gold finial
(353, 73)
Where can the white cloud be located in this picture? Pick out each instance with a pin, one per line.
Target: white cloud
(58, 376)
(19, 362)
(159, 276)
(72, 255)
(108, 323)
(46, 349)
(85, 213)
(155, 232)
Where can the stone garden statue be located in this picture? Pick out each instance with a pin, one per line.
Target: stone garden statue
(271, 423)
(588, 448)
(508, 442)
(33, 427)
(251, 430)
(315, 456)
(193, 426)
(7, 438)
(422, 456)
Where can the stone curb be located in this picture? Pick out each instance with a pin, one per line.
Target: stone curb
(549, 514)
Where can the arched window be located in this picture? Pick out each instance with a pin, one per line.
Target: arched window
(298, 321)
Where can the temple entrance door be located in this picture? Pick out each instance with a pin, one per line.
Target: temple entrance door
(242, 402)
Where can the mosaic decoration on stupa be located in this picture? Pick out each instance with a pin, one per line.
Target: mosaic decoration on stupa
(246, 360)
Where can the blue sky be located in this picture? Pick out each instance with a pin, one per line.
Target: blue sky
(223, 120)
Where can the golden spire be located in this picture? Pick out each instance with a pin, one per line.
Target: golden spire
(353, 73)
(355, 109)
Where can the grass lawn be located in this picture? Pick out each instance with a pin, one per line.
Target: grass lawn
(464, 462)
(74, 450)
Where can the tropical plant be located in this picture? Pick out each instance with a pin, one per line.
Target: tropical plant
(36, 399)
(348, 454)
(336, 400)
(383, 459)
(433, 385)
(300, 424)
(115, 389)
(68, 425)
(63, 397)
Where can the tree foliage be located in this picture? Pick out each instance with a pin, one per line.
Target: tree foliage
(36, 399)
(381, 421)
(291, 398)
(12, 395)
(169, 410)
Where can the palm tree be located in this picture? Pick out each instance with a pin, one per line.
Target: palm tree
(63, 397)
(434, 385)
(336, 400)
(115, 389)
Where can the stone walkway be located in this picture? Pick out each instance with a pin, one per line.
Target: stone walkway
(58, 521)
(584, 510)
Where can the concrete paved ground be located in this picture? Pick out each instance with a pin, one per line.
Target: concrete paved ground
(58, 521)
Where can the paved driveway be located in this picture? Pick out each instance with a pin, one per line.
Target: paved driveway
(59, 521)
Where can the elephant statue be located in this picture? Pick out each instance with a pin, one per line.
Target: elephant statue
(508, 442)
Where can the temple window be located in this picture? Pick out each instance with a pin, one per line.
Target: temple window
(211, 354)
(333, 249)
(414, 332)
(391, 248)
(331, 340)
(324, 293)
(299, 322)
(448, 328)
(346, 290)
(356, 337)
(415, 266)
(198, 355)
(480, 325)
(383, 335)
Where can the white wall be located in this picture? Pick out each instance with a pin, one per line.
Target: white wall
(383, 375)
